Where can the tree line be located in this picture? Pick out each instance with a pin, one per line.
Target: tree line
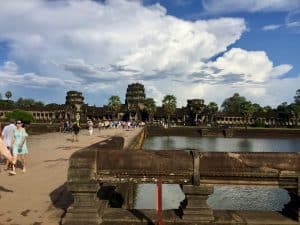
(20, 102)
(235, 105)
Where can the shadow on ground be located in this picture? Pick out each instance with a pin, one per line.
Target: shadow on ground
(61, 198)
(5, 189)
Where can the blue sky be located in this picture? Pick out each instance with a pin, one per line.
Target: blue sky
(206, 49)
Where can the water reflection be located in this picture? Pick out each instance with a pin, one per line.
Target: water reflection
(248, 198)
(218, 144)
(245, 145)
(168, 141)
(224, 197)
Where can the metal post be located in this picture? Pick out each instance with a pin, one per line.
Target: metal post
(159, 202)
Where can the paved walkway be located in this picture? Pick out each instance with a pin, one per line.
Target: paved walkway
(33, 198)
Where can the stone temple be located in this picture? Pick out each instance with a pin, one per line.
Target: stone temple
(194, 113)
(134, 102)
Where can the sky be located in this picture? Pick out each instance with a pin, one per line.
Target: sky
(207, 49)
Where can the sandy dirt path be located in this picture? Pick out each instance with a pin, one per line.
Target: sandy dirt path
(33, 198)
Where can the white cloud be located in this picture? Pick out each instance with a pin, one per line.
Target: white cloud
(102, 34)
(270, 93)
(10, 76)
(101, 47)
(292, 22)
(250, 66)
(227, 6)
(9, 67)
(271, 27)
(280, 70)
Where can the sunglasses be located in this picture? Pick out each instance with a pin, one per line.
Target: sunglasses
(19, 122)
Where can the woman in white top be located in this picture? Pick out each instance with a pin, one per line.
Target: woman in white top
(90, 127)
(3, 149)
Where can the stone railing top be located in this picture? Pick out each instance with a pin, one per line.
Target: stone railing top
(179, 166)
(179, 162)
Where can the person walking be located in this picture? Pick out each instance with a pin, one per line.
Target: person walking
(76, 129)
(3, 149)
(7, 136)
(19, 146)
(90, 127)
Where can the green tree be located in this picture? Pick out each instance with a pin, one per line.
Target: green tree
(295, 110)
(233, 104)
(39, 104)
(150, 107)
(114, 103)
(257, 107)
(283, 108)
(28, 102)
(24, 116)
(169, 105)
(212, 108)
(297, 97)
(8, 95)
(7, 103)
(267, 109)
(247, 109)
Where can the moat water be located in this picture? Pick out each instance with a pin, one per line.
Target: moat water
(224, 197)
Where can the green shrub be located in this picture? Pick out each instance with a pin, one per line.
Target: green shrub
(258, 123)
(24, 116)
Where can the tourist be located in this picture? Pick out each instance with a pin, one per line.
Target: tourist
(19, 146)
(7, 136)
(90, 127)
(66, 126)
(101, 125)
(3, 149)
(76, 129)
(61, 126)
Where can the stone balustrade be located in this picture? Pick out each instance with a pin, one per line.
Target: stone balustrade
(102, 166)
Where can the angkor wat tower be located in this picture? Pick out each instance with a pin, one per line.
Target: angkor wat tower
(135, 97)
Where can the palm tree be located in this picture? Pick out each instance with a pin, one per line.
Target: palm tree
(150, 107)
(169, 105)
(114, 104)
(8, 95)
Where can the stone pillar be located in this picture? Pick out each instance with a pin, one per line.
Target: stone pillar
(195, 207)
(292, 209)
(84, 188)
(86, 206)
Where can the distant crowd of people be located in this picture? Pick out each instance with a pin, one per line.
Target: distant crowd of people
(13, 139)
(13, 145)
(69, 127)
(119, 124)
